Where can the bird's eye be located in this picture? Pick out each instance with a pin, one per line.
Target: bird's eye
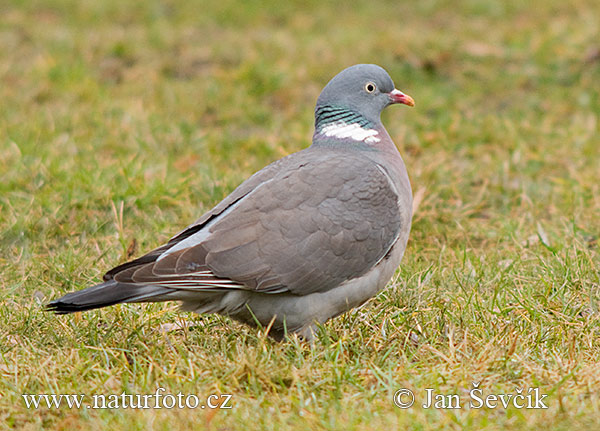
(370, 87)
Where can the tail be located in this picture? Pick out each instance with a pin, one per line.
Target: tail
(108, 293)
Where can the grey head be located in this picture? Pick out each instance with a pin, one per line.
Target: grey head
(354, 99)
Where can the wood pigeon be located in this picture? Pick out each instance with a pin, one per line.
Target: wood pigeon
(306, 238)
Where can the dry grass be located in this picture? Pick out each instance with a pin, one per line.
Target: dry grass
(121, 122)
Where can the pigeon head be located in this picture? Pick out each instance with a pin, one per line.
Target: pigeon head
(350, 105)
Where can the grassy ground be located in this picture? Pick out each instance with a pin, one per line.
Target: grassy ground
(121, 122)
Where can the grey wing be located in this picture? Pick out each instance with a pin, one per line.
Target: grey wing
(309, 228)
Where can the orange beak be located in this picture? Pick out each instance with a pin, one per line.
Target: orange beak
(397, 96)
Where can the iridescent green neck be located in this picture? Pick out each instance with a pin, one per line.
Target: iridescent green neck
(329, 114)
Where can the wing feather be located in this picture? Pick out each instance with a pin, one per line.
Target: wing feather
(308, 224)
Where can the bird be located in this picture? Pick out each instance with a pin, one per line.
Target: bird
(305, 239)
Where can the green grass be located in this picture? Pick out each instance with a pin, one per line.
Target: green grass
(121, 122)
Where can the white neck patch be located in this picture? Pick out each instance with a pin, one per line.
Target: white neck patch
(352, 131)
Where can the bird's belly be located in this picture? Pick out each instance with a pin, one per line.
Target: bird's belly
(295, 313)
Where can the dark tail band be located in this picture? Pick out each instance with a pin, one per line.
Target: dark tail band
(105, 294)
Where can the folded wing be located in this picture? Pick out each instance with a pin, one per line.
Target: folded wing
(307, 226)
